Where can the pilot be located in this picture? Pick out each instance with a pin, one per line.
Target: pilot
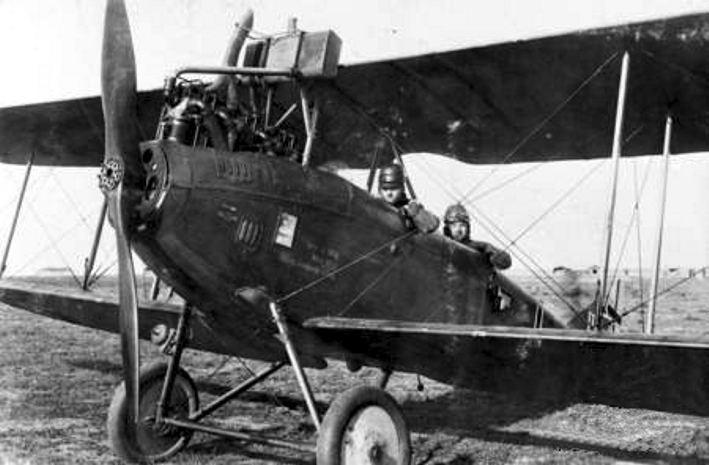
(391, 186)
(391, 190)
(457, 227)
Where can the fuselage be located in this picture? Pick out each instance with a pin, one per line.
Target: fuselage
(218, 225)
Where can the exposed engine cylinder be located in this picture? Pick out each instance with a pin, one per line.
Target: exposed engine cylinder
(195, 116)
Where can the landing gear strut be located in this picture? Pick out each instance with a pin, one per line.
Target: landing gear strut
(364, 425)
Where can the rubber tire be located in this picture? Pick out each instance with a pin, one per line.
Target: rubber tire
(344, 409)
(122, 435)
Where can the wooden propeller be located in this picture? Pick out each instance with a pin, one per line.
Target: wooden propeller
(121, 176)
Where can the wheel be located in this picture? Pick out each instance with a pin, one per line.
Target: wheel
(144, 442)
(364, 426)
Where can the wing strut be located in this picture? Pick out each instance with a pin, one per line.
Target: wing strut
(91, 259)
(602, 302)
(650, 317)
(11, 234)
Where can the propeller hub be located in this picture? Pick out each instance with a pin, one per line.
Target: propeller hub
(111, 174)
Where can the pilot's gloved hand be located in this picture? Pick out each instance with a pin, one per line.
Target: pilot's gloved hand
(424, 220)
(412, 208)
(500, 259)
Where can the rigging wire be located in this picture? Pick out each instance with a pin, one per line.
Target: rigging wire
(626, 236)
(54, 243)
(641, 285)
(98, 274)
(371, 285)
(69, 198)
(507, 181)
(670, 64)
(15, 179)
(521, 143)
(556, 203)
(664, 291)
(543, 123)
(344, 267)
(253, 374)
(34, 257)
(36, 189)
(549, 278)
(430, 173)
(437, 179)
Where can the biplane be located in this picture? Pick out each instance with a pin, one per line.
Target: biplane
(224, 186)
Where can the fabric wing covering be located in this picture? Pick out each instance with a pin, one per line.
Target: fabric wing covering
(545, 99)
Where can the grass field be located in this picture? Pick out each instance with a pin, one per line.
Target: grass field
(57, 380)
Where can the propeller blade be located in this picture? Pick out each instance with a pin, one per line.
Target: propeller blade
(128, 302)
(122, 176)
(118, 94)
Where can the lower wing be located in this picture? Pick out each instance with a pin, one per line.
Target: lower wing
(650, 371)
(99, 311)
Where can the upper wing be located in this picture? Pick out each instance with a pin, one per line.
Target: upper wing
(551, 98)
(639, 370)
(68, 132)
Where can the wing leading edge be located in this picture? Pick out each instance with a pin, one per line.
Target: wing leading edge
(546, 99)
(67, 132)
(101, 311)
(535, 100)
(660, 372)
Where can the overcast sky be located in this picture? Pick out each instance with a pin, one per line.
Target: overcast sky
(51, 49)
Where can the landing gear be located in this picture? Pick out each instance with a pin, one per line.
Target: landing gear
(383, 378)
(147, 441)
(364, 426)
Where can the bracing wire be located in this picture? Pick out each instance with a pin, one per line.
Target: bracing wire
(633, 217)
(556, 203)
(506, 182)
(98, 274)
(248, 369)
(49, 246)
(543, 279)
(369, 286)
(663, 292)
(37, 187)
(548, 278)
(430, 170)
(670, 64)
(70, 199)
(543, 123)
(344, 267)
(12, 199)
(641, 285)
(54, 243)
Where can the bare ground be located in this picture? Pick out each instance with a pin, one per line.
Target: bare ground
(57, 380)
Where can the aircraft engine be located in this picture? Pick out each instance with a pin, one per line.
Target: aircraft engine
(196, 116)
